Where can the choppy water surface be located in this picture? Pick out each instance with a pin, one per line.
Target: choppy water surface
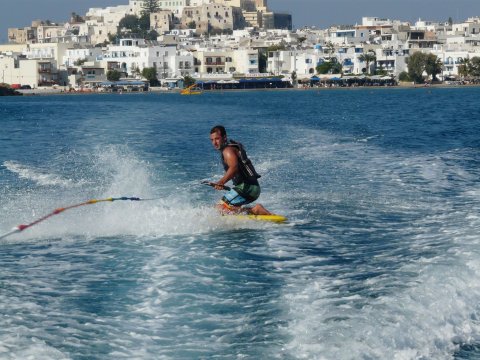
(380, 258)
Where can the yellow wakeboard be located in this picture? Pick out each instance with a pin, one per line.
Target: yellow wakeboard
(269, 218)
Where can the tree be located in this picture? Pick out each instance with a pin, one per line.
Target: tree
(433, 66)
(150, 73)
(188, 81)
(113, 75)
(368, 58)
(294, 77)
(192, 25)
(79, 62)
(329, 49)
(136, 25)
(464, 67)
(75, 18)
(151, 35)
(474, 67)
(149, 7)
(277, 47)
(416, 66)
(403, 76)
(262, 61)
(144, 23)
(129, 22)
(329, 67)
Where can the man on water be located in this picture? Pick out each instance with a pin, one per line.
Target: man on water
(240, 170)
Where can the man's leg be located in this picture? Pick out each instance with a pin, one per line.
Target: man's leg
(260, 210)
(227, 209)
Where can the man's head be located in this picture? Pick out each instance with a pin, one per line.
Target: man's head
(218, 137)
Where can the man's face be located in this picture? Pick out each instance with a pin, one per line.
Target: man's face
(217, 140)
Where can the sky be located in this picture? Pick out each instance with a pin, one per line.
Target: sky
(320, 13)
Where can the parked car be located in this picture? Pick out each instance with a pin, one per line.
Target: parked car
(25, 87)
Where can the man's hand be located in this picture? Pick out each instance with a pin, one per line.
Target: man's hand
(219, 186)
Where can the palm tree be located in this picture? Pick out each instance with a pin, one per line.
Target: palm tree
(433, 66)
(329, 49)
(464, 67)
(368, 58)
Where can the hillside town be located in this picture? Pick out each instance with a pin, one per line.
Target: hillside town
(232, 44)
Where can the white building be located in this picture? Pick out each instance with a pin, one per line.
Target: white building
(76, 55)
(15, 69)
(285, 62)
(244, 61)
(53, 51)
(131, 56)
(175, 6)
(102, 22)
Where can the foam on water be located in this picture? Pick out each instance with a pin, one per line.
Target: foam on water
(160, 232)
(38, 176)
(379, 261)
(112, 172)
(417, 297)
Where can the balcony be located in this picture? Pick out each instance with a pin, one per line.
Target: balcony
(113, 66)
(215, 63)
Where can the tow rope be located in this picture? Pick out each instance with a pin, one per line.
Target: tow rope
(20, 228)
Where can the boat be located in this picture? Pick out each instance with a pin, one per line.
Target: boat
(192, 90)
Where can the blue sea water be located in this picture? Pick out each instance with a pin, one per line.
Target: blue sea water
(380, 258)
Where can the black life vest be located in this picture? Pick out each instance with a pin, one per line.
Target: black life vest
(246, 171)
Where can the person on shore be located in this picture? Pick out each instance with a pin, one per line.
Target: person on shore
(240, 170)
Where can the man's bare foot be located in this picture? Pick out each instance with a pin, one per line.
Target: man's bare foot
(260, 210)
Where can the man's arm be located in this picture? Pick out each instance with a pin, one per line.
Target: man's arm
(231, 159)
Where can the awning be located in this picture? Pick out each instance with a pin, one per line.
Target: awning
(131, 83)
(256, 80)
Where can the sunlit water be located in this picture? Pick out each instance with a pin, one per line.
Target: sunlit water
(380, 258)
